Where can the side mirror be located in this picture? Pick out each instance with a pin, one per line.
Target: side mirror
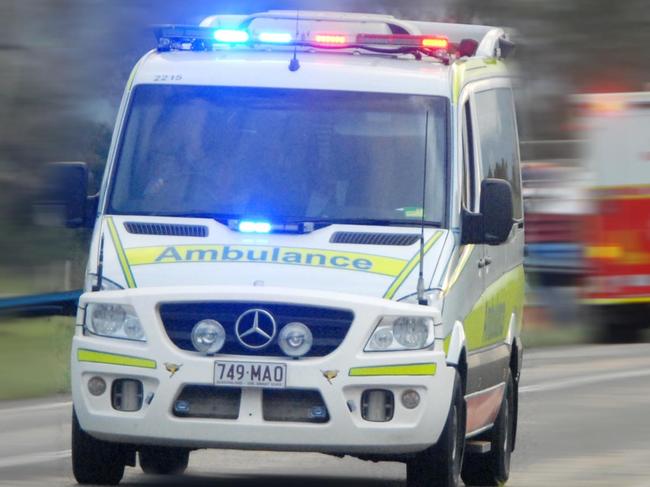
(493, 224)
(64, 199)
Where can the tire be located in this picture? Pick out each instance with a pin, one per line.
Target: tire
(94, 461)
(440, 464)
(493, 468)
(158, 460)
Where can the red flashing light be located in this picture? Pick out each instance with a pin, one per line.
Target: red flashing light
(331, 39)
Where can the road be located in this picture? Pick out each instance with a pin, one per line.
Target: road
(584, 422)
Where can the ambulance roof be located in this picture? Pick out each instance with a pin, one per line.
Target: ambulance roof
(318, 71)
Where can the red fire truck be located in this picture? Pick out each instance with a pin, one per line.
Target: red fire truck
(617, 237)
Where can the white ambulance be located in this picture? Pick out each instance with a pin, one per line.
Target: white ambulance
(309, 238)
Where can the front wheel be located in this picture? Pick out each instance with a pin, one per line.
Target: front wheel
(493, 468)
(440, 464)
(95, 461)
(163, 460)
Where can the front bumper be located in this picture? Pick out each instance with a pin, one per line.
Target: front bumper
(410, 430)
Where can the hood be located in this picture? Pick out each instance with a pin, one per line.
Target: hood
(355, 259)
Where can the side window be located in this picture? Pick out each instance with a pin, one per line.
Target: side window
(469, 168)
(497, 132)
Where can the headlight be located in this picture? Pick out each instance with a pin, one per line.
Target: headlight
(401, 333)
(295, 339)
(208, 336)
(115, 321)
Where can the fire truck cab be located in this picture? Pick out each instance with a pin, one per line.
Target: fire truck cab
(616, 154)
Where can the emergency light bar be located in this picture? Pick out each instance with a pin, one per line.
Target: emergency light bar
(179, 37)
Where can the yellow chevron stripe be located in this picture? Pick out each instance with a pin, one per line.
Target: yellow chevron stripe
(411, 264)
(124, 262)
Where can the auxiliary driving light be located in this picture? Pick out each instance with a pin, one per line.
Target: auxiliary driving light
(295, 339)
(410, 399)
(96, 386)
(208, 336)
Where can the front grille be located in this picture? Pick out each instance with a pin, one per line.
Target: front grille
(294, 405)
(201, 401)
(328, 326)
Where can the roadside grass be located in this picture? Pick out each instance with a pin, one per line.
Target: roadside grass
(15, 285)
(34, 357)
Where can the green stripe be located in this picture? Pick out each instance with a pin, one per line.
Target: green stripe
(84, 355)
(124, 263)
(410, 265)
(415, 369)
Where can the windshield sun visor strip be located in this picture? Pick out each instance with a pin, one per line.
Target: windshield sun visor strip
(408, 268)
(121, 255)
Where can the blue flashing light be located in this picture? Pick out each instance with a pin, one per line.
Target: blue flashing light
(275, 37)
(231, 36)
(248, 226)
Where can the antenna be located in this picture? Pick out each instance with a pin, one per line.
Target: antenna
(100, 266)
(294, 64)
(421, 298)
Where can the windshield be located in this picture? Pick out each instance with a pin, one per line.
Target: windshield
(284, 155)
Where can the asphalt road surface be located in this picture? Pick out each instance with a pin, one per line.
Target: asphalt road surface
(585, 421)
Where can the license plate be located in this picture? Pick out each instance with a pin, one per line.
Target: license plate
(250, 374)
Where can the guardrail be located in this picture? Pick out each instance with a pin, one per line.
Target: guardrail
(51, 304)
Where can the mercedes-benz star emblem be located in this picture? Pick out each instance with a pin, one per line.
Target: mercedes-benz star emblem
(255, 329)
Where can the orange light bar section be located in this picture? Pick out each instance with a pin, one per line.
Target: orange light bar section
(435, 43)
(407, 40)
(331, 39)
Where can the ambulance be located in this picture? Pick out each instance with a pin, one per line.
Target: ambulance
(309, 238)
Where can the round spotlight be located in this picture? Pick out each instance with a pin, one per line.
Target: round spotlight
(410, 399)
(208, 336)
(96, 386)
(295, 339)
